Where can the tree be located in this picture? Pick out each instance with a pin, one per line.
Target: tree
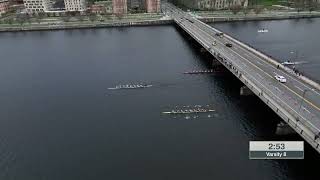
(21, 18)
(258, 9)
(229, 3)
(66, 18)
(40, 16)
(9, 21)
(92, 17)
(311, 5)
(81, 18)
(119, 15)
(299, 5)
(235, 9)
(246, 11)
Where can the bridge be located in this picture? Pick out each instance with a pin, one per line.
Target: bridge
(297, 101)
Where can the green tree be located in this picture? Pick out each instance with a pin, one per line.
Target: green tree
(9, 21)
(66, 18)
(21, 18)
(299, 5)
(92, 17)
(80, 18)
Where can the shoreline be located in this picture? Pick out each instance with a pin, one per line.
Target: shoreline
(86, 26)
(150, 22)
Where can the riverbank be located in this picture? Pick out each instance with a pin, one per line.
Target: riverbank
(83, 22)
(47, 27)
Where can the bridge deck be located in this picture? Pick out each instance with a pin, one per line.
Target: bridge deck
(296, 101)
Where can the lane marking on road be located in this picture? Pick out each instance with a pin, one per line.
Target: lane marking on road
(259, 75)
(259, 63)
(298, 88)
(306, 110)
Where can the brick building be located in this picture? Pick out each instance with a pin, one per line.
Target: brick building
(212, 4)
(153, 6)
(4, 6)
(120, 6)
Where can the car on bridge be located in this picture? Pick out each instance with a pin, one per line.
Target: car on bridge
(214, 43)
(228, 44)
(280, 78)
(219, 34)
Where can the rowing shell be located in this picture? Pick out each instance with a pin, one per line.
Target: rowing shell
(130, 87)
(188, 112)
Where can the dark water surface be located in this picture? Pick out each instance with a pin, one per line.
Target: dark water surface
(58, 121)
(295, 40)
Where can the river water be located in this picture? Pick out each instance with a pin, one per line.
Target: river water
(58, 120)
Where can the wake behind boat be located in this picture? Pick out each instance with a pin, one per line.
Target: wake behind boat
(131, 86)
(288, 63)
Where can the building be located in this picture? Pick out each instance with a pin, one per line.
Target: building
(136, 4)
(4, 6)
(153, 6)
(16, 2)
(75, 5)
(36, 6)
(119, 6)
(212, 4)
(97, 8)
(101, 7)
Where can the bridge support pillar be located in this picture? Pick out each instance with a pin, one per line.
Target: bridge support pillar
(203, 50)
(284, 129)
(216, 63)
(245, 91)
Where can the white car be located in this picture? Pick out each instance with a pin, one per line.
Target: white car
(214, 43)
(280, 78)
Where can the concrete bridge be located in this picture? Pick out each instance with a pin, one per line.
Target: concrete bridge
(297, 101)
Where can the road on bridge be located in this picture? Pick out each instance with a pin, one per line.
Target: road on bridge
(298, 97)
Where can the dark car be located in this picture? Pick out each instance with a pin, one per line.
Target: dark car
(220, 34)
(229, 45)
